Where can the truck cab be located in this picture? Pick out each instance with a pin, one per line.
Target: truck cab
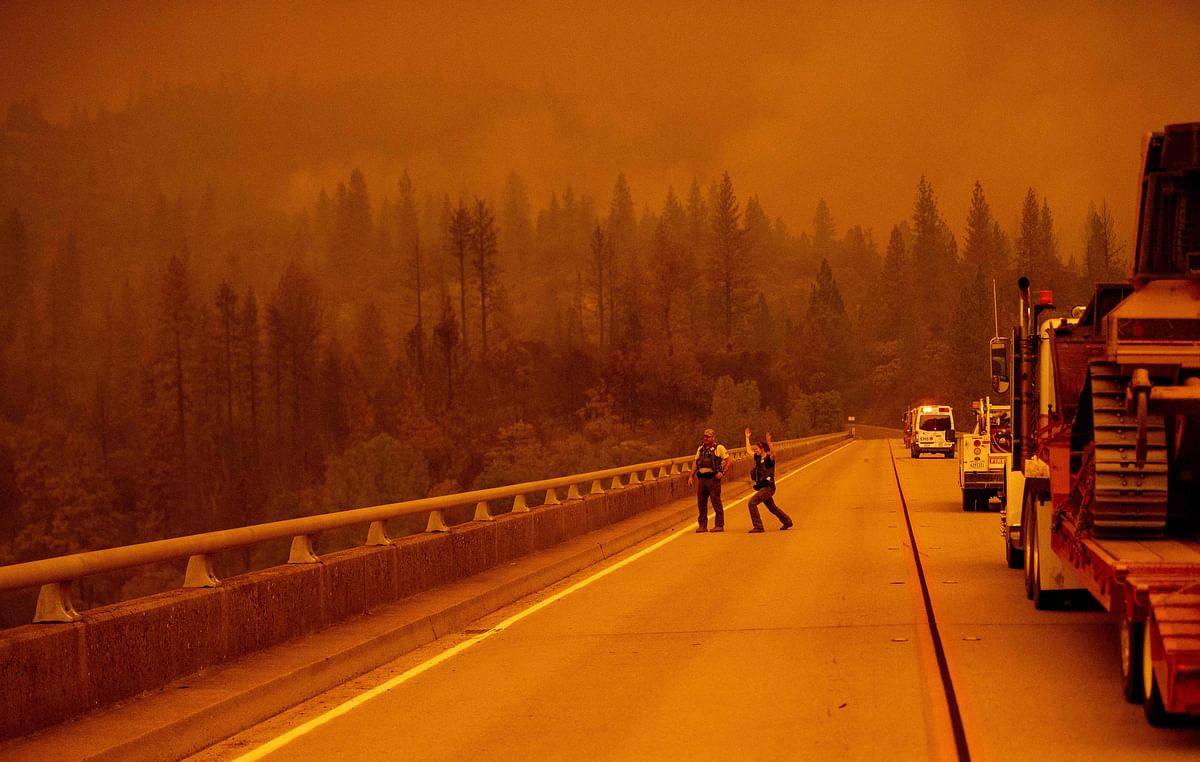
(933, 430)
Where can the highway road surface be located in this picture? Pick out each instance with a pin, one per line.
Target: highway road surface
(813, 643)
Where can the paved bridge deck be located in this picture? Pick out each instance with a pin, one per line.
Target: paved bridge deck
(204, 708)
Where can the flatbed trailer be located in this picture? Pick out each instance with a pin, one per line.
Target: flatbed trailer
(1152, 586)
(1106, 431)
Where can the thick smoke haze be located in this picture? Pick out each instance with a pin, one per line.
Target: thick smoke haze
(853, 104)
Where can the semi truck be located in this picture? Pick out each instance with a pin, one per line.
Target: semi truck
(1106, 430)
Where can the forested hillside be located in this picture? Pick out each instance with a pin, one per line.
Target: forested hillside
(197, 331)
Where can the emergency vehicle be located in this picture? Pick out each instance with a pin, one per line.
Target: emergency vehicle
(932, 430)
(984, 456)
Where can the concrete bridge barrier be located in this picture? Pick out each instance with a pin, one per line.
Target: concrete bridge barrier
(50, 673)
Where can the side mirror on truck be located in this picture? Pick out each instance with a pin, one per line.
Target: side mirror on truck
(998, 352)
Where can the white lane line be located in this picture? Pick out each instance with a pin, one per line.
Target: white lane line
(300, 730)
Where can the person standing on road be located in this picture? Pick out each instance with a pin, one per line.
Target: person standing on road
(763, 478)
(708, 471)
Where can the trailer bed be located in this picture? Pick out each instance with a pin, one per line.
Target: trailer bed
(1151, 582)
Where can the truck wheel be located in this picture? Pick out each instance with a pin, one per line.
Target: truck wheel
(915, 452)
(950, 453)
(981, 500)
(968, 499)
(1027, 530)
(1131, 661)
(1156, 713)
(1013, 556)
(1033, 552)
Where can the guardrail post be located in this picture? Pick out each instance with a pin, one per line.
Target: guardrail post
(573, 493)
(377, 534)
(200, 572)
(436, 523)
(665, 471)
(54, 604)
(596, 488)
(633, 478)
(519, 505)
(649, 475)
(551, 497)
(616, 483)
(302, 551)
(482, 512)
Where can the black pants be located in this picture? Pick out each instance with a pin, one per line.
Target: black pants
(766, 496)
(707, 489)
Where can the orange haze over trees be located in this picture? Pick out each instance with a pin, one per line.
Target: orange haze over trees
(257, 264)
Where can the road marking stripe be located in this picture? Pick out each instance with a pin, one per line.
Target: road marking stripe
(957, 728)
(300, 730)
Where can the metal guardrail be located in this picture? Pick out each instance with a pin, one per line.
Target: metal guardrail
(56, 576)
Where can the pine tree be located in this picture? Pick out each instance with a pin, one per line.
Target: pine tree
(177, 335)
(249, 357)
(824, 240)
(486, 268)
(826, 364)
(727, 273)
(933, 252)
(978, 247)
(226, 302)
(1028, 244)
(458, 245)
(669, 247)
(446, 339)
(1102, 251)
(516, 248)
(295, 330)
(351, 234)
(758, 232)
(894, 316)
(602, 271)
(621, 230)
(1048, 242)
(698, 236)
(408, 234)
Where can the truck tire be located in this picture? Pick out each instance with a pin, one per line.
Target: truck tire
(981, 500)
(1043, 600)
(915, 452)
(1131, 661)
(1156, 713)
(968, 499)
(1033, 558)
(1027, 530)
(1013, 556)
(1033, 562)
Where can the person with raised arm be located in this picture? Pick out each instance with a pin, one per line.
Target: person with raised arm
(763, 478)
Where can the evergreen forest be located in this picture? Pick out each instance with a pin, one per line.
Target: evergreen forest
(183, 351)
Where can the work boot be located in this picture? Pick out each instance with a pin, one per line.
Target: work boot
(756, 530)
(718, 529)
(701, 529)
(785, 526)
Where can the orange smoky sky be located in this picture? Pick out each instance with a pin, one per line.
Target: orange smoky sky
(850, 102)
